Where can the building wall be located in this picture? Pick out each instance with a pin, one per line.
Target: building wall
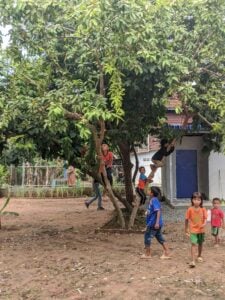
(216, 175)
(145, 160)
(169, 171)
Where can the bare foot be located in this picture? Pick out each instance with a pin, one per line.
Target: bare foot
(153, 167)
(199, 259)
(165, 257)
(192, 264)
(144, 256)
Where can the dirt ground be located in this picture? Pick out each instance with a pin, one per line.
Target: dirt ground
(51, 251)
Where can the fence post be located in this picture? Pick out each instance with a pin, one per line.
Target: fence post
(11, 175)
(23, 173)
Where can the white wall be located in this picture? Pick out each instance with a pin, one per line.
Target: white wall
(145, 160)
(216, 175)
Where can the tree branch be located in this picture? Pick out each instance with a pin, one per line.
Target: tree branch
(73, 116)
(204, 119)
(136, 164)
(212, 73)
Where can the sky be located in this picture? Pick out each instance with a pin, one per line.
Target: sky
(5, 37)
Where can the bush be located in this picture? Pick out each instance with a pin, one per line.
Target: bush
(4, 174)
(58, 192)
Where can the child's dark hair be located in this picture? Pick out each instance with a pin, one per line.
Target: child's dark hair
(197, 195)
(140, 168)
(216, 199)
(156, 191)
(163, 142)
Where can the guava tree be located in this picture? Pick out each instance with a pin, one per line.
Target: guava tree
(67, 58)
(106, 68)
(188, 60)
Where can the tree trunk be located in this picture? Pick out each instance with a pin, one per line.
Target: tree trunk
(136, 164)
(127, 166)
(123, 200)
(136, 204)
(113, 199)
(98, 138)
(131, 195)
(114, 193)
(98, 132)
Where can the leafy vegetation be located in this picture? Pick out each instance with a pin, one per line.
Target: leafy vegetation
(77, 73)
(3, 175)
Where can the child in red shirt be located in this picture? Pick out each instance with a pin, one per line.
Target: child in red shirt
(107, 158)
(217, 219)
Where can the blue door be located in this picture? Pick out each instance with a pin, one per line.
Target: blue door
(186, 173)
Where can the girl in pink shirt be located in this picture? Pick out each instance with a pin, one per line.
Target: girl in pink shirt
(217, 219)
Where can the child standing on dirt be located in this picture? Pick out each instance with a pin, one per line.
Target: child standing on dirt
(195, 221)
(98, 195)
(217, 220)
(154, 222)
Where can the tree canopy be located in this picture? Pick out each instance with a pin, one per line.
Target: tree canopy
(81, 71)
(63, 52)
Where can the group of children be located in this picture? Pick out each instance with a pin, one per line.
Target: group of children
(158, 161)
(195, 218)
(195, 221)
(196, 214)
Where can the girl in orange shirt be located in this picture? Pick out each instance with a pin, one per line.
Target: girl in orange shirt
(195, 221)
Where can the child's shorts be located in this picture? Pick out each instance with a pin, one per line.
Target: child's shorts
(197, 238)
(150, 233)
(214, 231)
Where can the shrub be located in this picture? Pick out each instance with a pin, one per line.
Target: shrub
(4, 174)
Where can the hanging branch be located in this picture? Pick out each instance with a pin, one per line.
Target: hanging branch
(189, 115)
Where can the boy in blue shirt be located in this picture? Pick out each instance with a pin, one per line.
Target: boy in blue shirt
(154, 224)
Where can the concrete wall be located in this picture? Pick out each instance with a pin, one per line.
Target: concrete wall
(145, 160)
(169, 171)
(216, 175)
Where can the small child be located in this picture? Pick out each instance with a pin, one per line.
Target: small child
(107, 159)
(154, 224)
(195, 221)
(143, 180)
(98, 195)
(217, 219)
